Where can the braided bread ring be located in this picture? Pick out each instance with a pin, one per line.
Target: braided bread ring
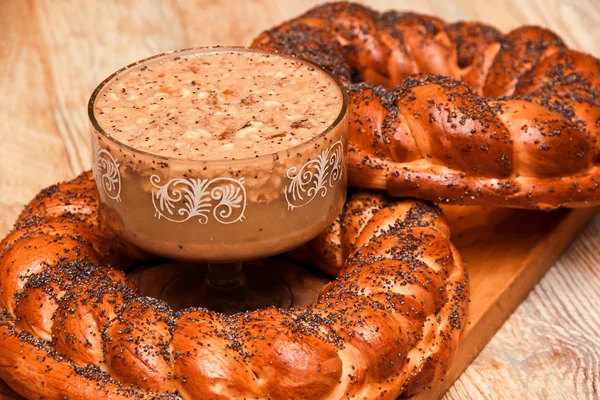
(71, 326)
(531, 142)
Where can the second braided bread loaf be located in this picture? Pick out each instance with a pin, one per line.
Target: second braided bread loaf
(458, 113)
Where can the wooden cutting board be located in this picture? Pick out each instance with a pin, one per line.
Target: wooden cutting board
(507, 252)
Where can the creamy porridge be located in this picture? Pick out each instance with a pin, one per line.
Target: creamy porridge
(226, 105)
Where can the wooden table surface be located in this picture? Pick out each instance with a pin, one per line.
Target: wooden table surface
(53, 54)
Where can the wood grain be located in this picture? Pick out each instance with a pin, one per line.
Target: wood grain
(54, 52)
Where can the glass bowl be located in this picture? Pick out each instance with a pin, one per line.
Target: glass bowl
(220, 211)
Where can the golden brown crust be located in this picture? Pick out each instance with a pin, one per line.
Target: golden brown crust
(476, 47)
(32, 369)
(520, 50)
(519, 129)
(70, 326)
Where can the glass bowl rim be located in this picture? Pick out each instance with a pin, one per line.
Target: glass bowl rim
(207, 49)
